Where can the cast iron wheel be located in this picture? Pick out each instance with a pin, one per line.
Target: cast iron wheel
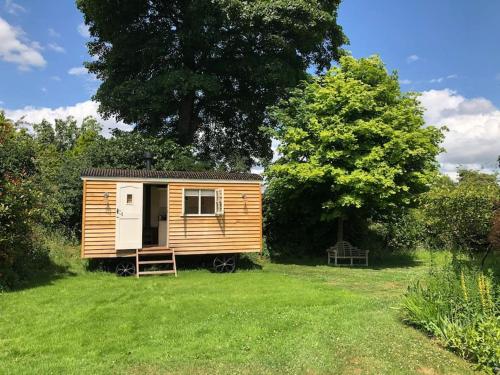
(225, 263)
(125, 269)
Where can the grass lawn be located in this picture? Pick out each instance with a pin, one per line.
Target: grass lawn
(282, 318)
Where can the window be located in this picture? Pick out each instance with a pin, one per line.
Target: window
(129, 198)
(203, 202)
(191, 202)
(207, 201)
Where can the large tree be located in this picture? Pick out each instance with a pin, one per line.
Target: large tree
(354, 138)
(205, 71)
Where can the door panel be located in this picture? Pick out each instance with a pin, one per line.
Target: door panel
(128, 216)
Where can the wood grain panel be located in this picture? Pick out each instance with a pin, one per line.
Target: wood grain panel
(98, 234)
(239, 229)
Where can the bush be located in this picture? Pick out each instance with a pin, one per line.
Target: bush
(292, 224)
(494, 235)
(459, 215)
(20, 206)
(459, 305)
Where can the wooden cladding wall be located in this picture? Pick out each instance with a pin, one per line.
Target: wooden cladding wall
(238, 230)
(98, 221)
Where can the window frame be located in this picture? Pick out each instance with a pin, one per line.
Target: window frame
(199, 202)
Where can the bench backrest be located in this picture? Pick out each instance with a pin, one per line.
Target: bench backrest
(343, 248)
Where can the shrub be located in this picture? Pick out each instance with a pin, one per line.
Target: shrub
(292, 224)
(459, 215)
(20, 205)
(494, 235)
(459, 305)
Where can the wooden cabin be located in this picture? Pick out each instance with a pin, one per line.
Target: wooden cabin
(131, 214)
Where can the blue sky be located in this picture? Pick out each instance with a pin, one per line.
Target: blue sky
(448, 50)
(457, 39)
(51, 23)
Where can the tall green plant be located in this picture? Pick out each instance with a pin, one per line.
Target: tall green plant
(460, 305)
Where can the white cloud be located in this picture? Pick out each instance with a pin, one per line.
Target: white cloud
(83, 30)
(44, 90)
(473, 139)
(405, 81)
(442, 79)
(91, 83)
(78, 71)
(79, 111)
(14, 48)
(13, 8)
(55, 78)
(412, 58)
(56, 47)
(53, 33)
(436, 80)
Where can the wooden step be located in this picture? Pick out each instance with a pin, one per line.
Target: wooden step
(155, 272)
(156, 261)
(153, 252)
(154, 248)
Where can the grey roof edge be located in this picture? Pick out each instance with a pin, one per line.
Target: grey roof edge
(175, 175)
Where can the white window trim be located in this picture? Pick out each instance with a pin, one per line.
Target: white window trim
(199, 214)
(219, 197)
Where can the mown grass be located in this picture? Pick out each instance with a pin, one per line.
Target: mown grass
(282, 318)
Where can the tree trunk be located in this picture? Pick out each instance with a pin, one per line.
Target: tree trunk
(340, 229)
(187, 124)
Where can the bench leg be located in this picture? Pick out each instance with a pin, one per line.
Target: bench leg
(366, 261)
(352, 259)
(335, 259)
(328, 258)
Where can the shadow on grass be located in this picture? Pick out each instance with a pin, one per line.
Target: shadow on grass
(376, 262)
(191, 262)
(41, 274)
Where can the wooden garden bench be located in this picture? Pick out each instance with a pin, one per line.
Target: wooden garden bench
(344, 250)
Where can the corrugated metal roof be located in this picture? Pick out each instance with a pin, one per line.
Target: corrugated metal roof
(182, 175)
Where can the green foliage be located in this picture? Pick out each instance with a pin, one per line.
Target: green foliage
(405, 230)
(460, 215)
(351, 144)
(494, 235)
(461, 306)
(126, 150)
(205, 71)
(21, 204)
(401, 231)
(292, 222)
(41, 188)
(63, 150)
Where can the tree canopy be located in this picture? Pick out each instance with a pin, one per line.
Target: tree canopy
(205, 71)
(353, 135)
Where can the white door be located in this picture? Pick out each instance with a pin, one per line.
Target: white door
(128, 216)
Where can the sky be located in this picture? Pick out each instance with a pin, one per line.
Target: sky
(446, 50)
